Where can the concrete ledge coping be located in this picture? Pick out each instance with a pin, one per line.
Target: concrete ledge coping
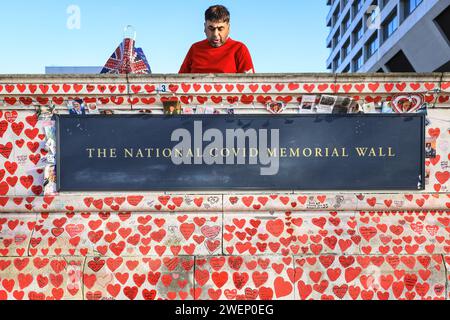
(259, 202)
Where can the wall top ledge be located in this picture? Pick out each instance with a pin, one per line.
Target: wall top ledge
(311, 77)
(183, 202)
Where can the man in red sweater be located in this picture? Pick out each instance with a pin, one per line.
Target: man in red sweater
(218, 53)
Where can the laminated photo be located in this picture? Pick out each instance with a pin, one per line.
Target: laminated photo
(49, 159)
(369, 107)
(326, 104)
(50, 180)
(45, 112)
(50, 146)
(355, 108)
(92, 108)
(342, 105)
(430, 147)
(106, 112)
(209, 110)
(188, 110)
(308, 104)
(76, 107)
(50, 131)
(172, 107)
(386, 107)
(200, 110)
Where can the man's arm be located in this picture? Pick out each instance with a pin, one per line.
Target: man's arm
(244, 61)
(186, 66)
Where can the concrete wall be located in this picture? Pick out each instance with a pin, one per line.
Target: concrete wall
(218, 245)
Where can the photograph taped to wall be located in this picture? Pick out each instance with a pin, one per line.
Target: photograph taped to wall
(50, 186)
(199, 110)
(342, 105)
(356, 108)
(386, 107)
(188, 110)
(209, 110)
(92, 108)
(49, 129)
(145, 111)
(172, 107)
(308, 104)
(106, 112)
(369, 107)
(430, 147)
(45, 112)
(76, 107)
(326, 104)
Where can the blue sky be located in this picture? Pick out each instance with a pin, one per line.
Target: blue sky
(283, 36)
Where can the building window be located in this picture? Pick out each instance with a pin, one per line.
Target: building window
(372, 45)
(411, 5)
(358, 61)
(346, 69)
(390, 25)
(336, 38)
(335, 16)
(356, 7)
(336, 62)
(384, 3)
(345, 50)
(358, 33)
(346, 23)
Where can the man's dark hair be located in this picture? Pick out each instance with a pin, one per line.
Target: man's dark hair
(217, 13)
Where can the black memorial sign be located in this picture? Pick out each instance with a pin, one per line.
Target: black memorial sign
(226, 152)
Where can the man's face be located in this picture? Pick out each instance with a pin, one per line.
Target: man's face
(217, 33)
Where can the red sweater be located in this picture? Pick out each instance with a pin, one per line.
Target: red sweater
(232, 57)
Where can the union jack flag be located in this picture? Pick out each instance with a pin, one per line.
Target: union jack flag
(127, 59)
